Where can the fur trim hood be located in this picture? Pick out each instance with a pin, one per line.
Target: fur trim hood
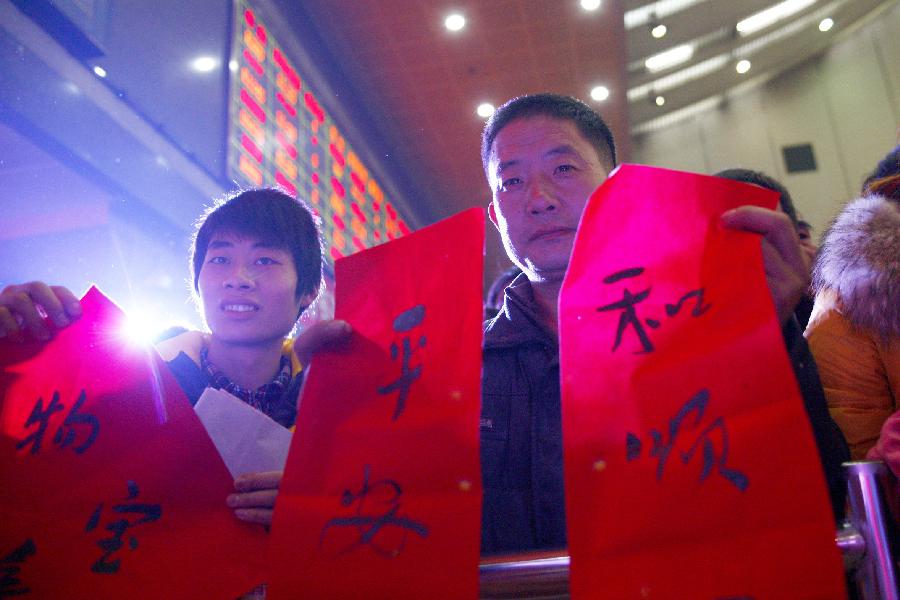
(860, 262)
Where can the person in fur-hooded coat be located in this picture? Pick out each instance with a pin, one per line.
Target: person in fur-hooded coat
(854, 330)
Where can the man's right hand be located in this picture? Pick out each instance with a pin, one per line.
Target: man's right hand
(23, 307)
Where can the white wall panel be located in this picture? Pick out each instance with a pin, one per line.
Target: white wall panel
(846, 103)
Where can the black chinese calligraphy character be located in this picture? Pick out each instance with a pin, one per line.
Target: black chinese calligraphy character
(76, 418)
(11, 566)
(629, 313)
(41, 418)
(662, 448)
(374, 517)
(629, 317)
(110, 545)
(699, 307)
(404, 322)
(66, 434)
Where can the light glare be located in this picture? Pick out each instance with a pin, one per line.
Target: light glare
(600, 93)
(669, 58)
(590, 4)
(485, 110)
(140, 330)
(826, 24)
(775, 13)
(99, 71)
(203, 64)
(742, 66)
(455, 22)
(659, 31)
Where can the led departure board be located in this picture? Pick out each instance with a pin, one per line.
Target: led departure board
(280, 134)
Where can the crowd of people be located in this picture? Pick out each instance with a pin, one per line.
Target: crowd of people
(256, 265)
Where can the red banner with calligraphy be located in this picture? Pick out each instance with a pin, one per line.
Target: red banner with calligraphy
(381, 495)
(111, 486)
(691, 471)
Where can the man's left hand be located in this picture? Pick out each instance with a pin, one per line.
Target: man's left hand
(787, 266)
(254, 500)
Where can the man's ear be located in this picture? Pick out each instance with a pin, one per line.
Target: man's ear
(492, 215)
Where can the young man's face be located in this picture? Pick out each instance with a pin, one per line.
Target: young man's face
(542, 172)
(248, 290)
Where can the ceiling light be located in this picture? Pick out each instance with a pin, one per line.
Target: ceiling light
(590, 4)
(771, 15)
(660, 100)
(742, 66)
(669, 58)
(233, 66)
(204, 64)
(826, 24)
(659, 31)
(600, 93)
(485, 110)
(455, 22)
(99, 71)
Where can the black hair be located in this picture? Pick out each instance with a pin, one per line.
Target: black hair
(887, 167)
(590, 124)
(271, 216)
(761, 179)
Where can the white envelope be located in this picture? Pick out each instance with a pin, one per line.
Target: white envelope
(247, 440)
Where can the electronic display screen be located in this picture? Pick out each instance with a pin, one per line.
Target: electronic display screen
(280, 134)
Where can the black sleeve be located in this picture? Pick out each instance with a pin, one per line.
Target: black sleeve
(189, 376)
(833, 450)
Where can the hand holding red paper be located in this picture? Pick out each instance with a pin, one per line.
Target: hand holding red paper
(21, 307)
(97, 443)
(785, 262)
(381, 494)
(690, 468)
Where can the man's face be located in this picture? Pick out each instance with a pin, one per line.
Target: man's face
(541, 171)
(248, 290)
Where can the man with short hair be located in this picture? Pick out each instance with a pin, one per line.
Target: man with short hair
(256, 263)
(543, 156)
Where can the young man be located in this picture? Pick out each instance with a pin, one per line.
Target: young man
(256, 262)
(543, 156)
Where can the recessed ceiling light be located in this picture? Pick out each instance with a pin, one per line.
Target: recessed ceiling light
(99, 71)
(771, 15)
(659, 31)
(455, 22)
(485, 110)
(660, 100)
(826, 24)
(742, 66)
(233, 66)
(590, 4)
(204, 64)
(669, 58)
(600, 93)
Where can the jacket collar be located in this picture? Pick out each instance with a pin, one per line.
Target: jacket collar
(517, 322)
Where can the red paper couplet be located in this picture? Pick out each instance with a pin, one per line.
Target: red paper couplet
(690, 467)
(381, 496)
(111, 486)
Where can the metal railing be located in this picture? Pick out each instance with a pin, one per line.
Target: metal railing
(864, 541)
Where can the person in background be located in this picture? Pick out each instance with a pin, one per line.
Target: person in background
(786, 204)
(854, 331)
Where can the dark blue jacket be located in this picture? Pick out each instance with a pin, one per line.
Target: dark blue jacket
(521, 430)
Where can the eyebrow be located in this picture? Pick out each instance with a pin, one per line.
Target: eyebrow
(215, 244)
(561, 150)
